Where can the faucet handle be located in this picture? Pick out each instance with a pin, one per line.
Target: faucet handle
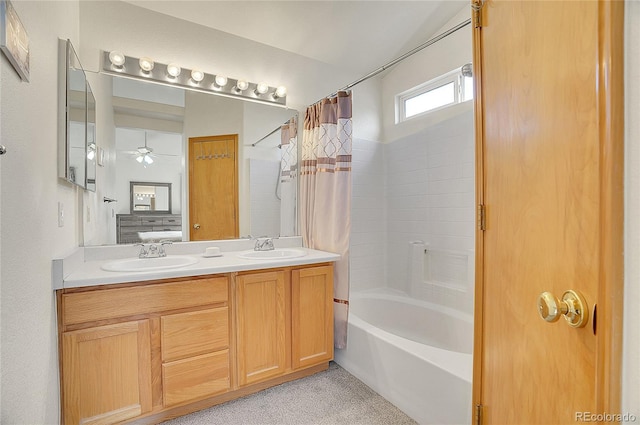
(143, 250)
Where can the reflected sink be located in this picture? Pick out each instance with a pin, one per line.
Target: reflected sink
(276, 254)
(149, 264)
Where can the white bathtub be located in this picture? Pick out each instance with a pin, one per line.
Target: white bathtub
(415, 354)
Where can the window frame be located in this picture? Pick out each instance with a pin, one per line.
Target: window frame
(455, 76)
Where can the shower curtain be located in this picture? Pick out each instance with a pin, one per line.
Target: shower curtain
(288, 176)
(325, 191)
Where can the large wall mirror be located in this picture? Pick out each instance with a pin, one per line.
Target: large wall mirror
(153, 125)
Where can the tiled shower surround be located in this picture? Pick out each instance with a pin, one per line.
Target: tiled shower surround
(417, 188)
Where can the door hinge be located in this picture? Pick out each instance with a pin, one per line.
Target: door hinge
(478, 418)
(482, 217)
(476, 9)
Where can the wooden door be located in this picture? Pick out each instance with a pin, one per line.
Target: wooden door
(261, 320)
(549, 129)
(106, 373)
(213, 187)
(311, 316)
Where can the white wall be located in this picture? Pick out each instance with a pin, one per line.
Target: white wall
(631, 344)
(430, 193)
(30, 236)
(368, 216)
(433, 61)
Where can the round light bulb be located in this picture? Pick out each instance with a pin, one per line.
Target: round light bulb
(197, 75)
(173, 70)
(146, 64)
(262, 88)
(221, 80)
(116, 58)
(242, 85)
(280, 92)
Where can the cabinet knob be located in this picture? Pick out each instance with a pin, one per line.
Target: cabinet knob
(196, 226)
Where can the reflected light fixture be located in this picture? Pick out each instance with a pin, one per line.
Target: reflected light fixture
(173, 70)
(144, 159)
(146, 64)
(281, 91)
(221, 80)
(241, 85)
(197, 75)
(145, 69)
(91, 151)
(117, 58)
(261, 88)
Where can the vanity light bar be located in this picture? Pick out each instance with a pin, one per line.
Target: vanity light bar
(193, 80)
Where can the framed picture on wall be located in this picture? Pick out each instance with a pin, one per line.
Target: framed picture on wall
(14, 40)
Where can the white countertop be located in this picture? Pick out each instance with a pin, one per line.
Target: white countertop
(89, 273)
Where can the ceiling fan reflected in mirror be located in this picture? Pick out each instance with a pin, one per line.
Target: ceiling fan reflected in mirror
(144, 154)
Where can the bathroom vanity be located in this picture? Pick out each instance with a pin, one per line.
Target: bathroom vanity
(142, 348)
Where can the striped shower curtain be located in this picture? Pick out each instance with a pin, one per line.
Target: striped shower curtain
(325, 192)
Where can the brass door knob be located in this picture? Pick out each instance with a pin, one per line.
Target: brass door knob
(196, 226)
(573, 306)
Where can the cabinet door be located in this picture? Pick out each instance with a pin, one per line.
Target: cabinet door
(106, 373)
(261, 326)
(312, 316)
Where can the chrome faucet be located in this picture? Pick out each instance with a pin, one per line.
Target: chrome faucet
(264, 244)
(152, 250)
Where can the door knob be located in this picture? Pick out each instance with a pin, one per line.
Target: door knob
(573, 306)
(196, 226)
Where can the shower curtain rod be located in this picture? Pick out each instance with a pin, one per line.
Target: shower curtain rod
(273, 131)
(403, 57)
(388, 65)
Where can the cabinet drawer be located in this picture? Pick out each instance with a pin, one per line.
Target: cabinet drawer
(130, 221)
(151, 221)
(102, 304)
(195, 377)
(164, 228)
(194, 333)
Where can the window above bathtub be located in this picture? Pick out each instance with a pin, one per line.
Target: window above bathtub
(448, 89)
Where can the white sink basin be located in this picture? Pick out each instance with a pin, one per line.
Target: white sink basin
(276, 254)
(149, 264)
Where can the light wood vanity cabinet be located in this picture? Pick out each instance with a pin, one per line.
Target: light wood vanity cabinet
(144, 352)
(113, 361)
(312, 315)
(262, 348)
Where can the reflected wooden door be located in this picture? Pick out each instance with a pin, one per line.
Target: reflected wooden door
(549, 126)
(213, 187)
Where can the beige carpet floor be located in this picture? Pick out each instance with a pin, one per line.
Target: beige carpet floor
(331, 397)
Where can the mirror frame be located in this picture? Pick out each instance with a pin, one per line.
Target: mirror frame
(155, 184)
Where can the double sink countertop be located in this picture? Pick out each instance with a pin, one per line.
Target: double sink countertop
(84, 267)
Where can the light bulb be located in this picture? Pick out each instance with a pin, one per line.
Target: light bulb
(242, 85)
(197, 75)
(91, 154)
(261, 88)
(139, 158)
(148, 159)
(173, 70)
(146, 64)
(280, 92)
(221, 80)
(117, 58)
